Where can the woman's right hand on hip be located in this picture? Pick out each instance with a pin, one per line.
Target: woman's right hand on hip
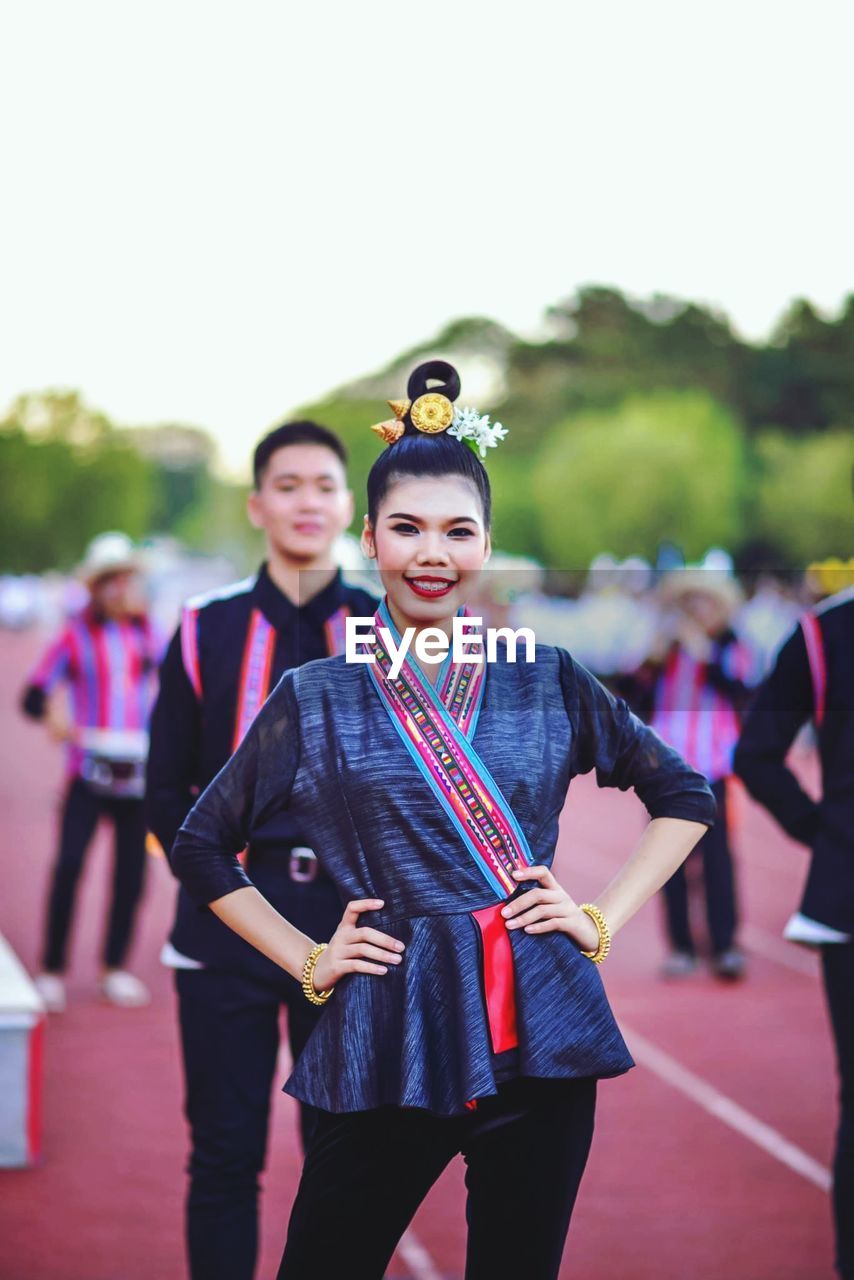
(354, 949)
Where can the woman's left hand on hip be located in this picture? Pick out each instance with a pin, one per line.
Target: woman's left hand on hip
(549, 909)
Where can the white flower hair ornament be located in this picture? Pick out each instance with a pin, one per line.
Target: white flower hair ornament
(475, 430)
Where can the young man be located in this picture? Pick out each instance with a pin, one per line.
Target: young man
(813, 678)
(107, 657)
(230, 650)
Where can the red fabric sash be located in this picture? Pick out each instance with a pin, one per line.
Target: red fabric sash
(498, 982)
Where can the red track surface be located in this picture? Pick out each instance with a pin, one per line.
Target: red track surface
(672, 1192)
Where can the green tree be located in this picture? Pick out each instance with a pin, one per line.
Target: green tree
(604, 346)
(667, 465)
(66, 474)
(804, 500)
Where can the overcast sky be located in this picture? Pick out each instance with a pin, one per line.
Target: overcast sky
(214, 211)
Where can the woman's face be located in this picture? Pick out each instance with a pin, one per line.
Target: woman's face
(430, 545)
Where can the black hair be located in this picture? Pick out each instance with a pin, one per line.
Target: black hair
(418, 454)
(294, 433)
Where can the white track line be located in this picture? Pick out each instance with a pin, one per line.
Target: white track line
(417, 1259)
(724, 1109)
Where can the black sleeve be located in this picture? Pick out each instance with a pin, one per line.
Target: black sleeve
(173, 754)
(627, 753)
(783, 703)
(253, 787)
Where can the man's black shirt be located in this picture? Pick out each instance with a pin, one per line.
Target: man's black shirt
(782, 705)
(192, 737)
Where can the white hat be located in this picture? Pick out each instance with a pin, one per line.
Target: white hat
(108, 553)
(677, 583)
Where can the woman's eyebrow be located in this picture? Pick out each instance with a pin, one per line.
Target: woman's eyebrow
(402, 515)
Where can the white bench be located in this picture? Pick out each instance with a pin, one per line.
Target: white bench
(22, 1019)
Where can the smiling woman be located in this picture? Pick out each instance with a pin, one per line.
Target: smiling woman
(468, 1012)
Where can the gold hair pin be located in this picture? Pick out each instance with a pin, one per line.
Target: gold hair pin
(392, 430)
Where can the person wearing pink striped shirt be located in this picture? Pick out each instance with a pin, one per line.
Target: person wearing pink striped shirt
(106, 656)
(692, 692)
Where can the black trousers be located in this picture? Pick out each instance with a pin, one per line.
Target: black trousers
(366, 1173)
(80, 813)
(230, 1041)
(838, 967)
(719, 882)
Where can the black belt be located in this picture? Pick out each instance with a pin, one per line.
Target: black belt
(303, 866)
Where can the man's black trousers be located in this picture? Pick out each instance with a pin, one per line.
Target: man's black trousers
(230, 1039)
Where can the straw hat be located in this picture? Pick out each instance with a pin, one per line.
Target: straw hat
(108, 553)
(695, 579)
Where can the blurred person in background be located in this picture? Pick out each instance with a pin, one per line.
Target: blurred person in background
(813, 679)
(107, 658)
(230, 650)
(767, 618)
(691, 689)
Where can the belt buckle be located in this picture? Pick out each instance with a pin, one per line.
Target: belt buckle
(303, 865)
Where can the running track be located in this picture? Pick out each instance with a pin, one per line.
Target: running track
(711, 1158)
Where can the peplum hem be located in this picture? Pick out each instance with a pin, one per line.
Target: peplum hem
(418, 1036)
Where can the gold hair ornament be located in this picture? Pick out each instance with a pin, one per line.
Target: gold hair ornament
(432, 413)
(388, 431)
(391, 430)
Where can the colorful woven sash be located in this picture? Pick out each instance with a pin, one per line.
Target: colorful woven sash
(257, 665)
(436, 724)
(254, 674)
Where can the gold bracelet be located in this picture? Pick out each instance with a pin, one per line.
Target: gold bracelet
(308, 987)
(598, 919)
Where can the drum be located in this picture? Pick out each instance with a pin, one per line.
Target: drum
(114, 762)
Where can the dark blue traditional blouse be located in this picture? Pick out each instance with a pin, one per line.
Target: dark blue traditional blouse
(323, 747)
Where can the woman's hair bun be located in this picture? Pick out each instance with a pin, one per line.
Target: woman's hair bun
(435, 371)
(423, 446)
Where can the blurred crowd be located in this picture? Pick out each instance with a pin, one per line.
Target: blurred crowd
(623, 614)
(630, 611)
